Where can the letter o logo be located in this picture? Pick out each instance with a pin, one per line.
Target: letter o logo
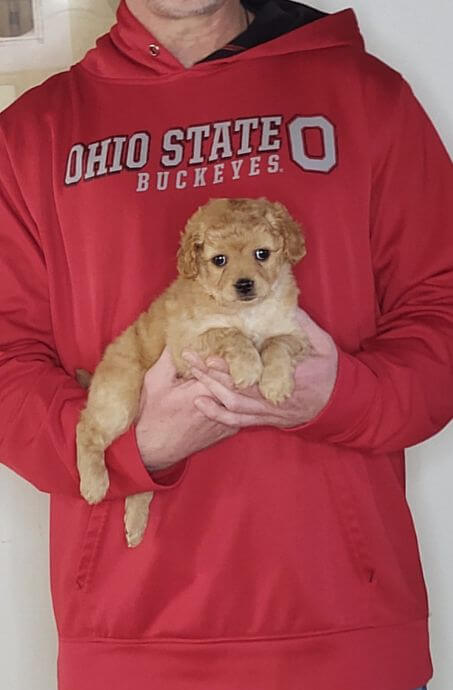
(298, 147)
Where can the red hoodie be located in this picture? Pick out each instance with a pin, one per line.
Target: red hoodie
(276, 560)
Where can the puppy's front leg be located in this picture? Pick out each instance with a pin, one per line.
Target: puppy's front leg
(238, 350)
(279, 355)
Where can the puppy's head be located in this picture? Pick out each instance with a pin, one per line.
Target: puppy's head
(237, 248)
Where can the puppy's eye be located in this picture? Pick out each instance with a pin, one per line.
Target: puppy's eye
(262, 254)
(219, 260)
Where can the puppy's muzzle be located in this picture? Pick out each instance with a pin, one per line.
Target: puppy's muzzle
(245, 287)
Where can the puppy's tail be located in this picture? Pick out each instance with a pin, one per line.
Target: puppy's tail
(83, 377)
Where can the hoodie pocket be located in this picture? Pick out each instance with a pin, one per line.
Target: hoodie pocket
(97, 519)
(341, 482)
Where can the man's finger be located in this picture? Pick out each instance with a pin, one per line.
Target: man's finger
(212, 362)
(221, 377)
(211, 409)
(218, 363)
(231, 399)
(193, 358)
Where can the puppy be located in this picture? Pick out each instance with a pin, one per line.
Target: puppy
(235, 297)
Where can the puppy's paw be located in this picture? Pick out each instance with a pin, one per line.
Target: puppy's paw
(94, 483)
(136, 517)
(135, 535)
(276, 384)
(246, 369)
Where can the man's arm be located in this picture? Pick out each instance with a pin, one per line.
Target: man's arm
(397, 390)
(39, 402)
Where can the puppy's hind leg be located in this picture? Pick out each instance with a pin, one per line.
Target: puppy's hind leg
(136, 516)
(112, 406)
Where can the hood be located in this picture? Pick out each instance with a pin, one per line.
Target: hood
(124, 53)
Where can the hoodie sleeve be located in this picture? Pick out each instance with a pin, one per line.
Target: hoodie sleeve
(397, 390)
(40, 403)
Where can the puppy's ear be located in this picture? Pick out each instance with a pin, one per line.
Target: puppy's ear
(189, 250)
(294, 244)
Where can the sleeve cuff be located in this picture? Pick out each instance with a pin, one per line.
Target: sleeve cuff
(169, 475)
(350, 401)
(128, 473)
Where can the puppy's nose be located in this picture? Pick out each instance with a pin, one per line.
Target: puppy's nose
(244, 286)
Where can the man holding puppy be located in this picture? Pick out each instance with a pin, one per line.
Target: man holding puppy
(279, 541)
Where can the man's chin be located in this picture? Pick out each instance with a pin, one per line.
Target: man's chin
(174, 9)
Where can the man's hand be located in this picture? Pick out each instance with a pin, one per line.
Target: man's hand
(314, 382)
(169, 426)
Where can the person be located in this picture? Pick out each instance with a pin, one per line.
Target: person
(280, 550)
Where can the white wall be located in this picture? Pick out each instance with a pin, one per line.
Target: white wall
(414, 36)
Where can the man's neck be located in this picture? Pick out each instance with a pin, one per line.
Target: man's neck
(190, 39)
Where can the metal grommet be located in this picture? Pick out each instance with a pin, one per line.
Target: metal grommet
(154, 49)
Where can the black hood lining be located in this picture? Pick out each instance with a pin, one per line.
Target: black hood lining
(273, 18)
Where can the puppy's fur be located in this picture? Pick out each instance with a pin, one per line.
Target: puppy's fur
(240, 307)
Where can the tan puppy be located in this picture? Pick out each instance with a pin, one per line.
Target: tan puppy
(235, 297)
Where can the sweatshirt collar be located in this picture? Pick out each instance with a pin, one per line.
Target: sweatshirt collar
(139, 44)
(273, 18)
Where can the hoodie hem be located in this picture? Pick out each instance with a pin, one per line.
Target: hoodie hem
(355, 659)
